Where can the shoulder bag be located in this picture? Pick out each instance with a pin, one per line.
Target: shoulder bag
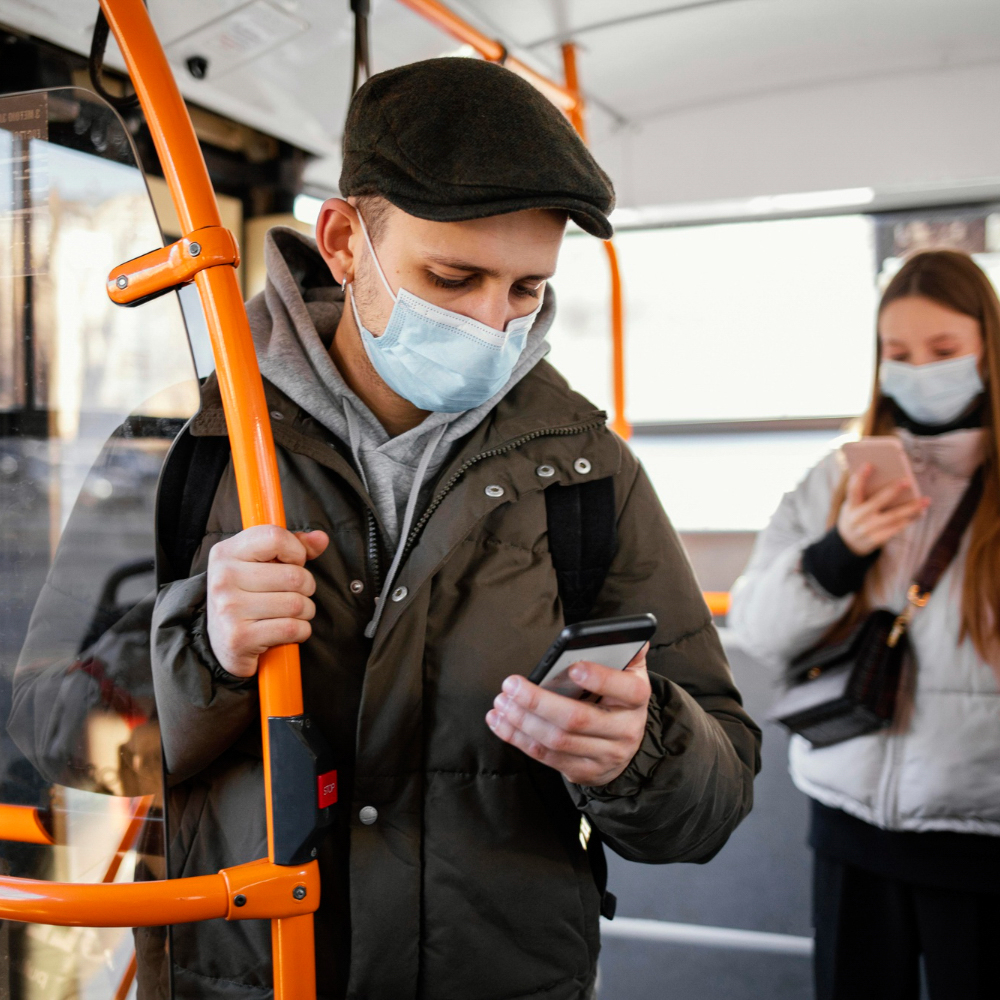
(847, 689)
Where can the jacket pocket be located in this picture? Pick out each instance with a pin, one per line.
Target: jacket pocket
(500, 884)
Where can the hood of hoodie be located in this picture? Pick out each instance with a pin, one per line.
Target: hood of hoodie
(293, 322)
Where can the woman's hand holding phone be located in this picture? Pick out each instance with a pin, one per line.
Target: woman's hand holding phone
(866, 523)
(588, 743)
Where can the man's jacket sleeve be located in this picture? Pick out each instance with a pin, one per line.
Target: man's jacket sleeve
(203, 709)
(691, 781)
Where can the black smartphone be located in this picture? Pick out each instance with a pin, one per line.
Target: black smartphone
(612, 642)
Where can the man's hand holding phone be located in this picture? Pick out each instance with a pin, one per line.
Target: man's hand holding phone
(866, 523)
(589, 743)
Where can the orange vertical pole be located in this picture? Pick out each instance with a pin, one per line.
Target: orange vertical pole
(619, 423)
(242, 390)
(128, 978)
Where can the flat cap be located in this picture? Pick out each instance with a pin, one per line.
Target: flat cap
(453, 139)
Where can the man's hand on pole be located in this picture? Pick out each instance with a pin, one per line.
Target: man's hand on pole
(259, 593)
(590, 744)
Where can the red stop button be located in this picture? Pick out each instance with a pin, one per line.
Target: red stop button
(327, 789)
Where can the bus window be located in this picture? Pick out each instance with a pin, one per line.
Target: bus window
(91, 396)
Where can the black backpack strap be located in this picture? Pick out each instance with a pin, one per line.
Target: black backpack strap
(188, 483)
(583, 538)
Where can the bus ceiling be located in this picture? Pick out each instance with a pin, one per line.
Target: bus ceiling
(695, 102)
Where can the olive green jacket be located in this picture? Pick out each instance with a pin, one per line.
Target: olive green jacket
(472, 883)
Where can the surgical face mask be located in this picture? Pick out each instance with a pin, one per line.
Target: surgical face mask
(935, 393)
(438, 359)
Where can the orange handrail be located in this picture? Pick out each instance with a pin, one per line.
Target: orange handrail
(259, 489)
(492, 50)
(243, 892)
(140, 810)
(242, 391)
(127, 979)
(114, 904)
(619, 423)
(717, 601)
(23, 824)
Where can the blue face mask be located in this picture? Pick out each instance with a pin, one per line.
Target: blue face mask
(935, 393)
(438, 359)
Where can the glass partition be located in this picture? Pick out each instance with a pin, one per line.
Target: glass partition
(91, 396)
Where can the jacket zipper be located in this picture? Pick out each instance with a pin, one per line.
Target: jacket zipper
(492, 453)
(372, 551)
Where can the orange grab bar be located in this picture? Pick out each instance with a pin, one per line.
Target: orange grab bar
(140, 810)
(242, 391)
(619, 424)
(717, 601)
(240, 384)
(290, 907)
(244, 892)
(169, 267)
(23, 824)
(127, 979)
(493, 50)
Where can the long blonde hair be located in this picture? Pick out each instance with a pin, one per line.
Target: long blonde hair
(953, 280)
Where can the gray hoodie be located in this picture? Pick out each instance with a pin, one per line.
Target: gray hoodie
(293, 322)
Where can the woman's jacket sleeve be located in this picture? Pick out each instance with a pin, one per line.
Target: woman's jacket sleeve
(778, 611)
(691, 782)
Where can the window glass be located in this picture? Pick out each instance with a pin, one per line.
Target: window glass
(738, 321)
(91, 396)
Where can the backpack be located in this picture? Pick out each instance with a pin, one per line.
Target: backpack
(582, 542)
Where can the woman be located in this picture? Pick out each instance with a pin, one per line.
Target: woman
(905, 822)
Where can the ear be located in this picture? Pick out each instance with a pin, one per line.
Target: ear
(336, 225)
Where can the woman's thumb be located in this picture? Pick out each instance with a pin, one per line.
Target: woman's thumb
(856, 484)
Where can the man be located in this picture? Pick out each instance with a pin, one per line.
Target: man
(418, 429)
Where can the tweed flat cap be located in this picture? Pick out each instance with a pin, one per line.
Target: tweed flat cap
(452, 139)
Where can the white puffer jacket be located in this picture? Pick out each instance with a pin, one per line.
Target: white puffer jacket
(941, 770)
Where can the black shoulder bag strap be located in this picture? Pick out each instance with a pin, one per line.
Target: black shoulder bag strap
(582, 541)
(941, 554)
(190, 479)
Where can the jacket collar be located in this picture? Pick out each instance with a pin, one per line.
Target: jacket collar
(541, 422)
(958, 453)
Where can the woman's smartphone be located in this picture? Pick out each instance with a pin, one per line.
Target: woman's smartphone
(612, 642)
(889, 460)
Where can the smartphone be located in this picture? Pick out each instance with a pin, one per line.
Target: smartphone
(612, 642)
(889, 460)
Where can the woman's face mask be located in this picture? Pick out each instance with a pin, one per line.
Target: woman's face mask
(438, 359)
(931, 358)
(934, 393)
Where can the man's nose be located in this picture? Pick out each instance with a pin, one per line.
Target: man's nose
(493, 309)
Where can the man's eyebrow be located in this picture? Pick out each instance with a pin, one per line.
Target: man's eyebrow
(463, 265)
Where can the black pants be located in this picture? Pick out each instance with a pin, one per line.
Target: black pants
(871, 932)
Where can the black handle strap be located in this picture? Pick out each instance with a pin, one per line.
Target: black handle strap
(95, 64)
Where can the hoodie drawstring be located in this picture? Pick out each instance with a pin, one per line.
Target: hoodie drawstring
(404, 531)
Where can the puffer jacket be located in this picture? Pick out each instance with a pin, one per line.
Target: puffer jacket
(472, 884)
(938, 766)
